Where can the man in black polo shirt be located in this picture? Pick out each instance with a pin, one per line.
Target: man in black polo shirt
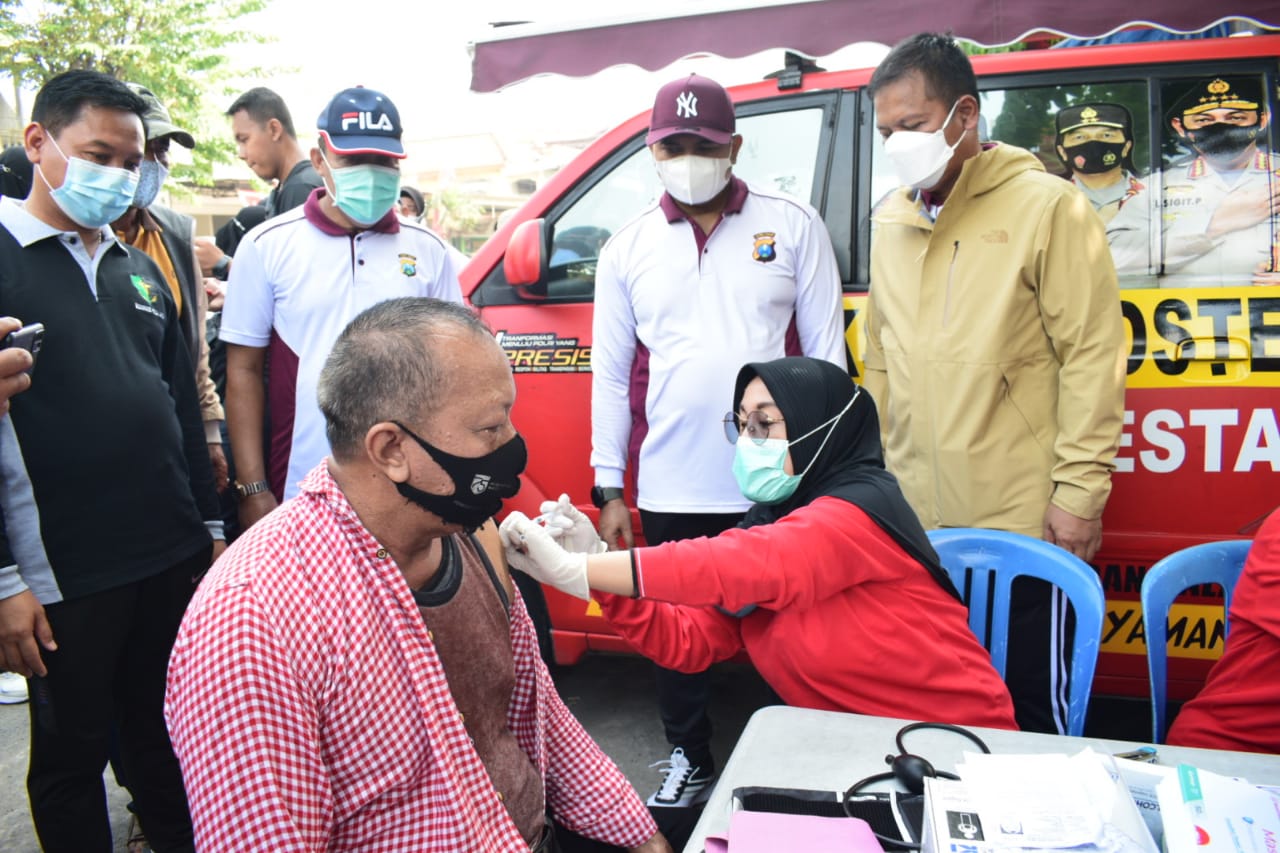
(267, 143)
(107, 490)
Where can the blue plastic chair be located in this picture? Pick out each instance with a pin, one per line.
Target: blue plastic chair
(1212, 562)
(983, 564)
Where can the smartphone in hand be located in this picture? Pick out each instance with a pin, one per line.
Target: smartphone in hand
(29, 338)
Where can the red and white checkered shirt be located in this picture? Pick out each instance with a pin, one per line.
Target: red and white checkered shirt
(310, 711)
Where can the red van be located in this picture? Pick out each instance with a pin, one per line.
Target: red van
(1200, 454)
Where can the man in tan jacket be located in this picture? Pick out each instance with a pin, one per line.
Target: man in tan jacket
(994, 342)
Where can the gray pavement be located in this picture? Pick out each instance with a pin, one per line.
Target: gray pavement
(611, 695)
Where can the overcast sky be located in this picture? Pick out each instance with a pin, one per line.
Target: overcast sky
(419, 58)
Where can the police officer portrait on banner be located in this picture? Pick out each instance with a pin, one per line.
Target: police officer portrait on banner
(1095, 143)
(1220, 208)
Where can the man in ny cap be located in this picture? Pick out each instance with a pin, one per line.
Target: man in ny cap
(1221, 209)
(167, 237)
(714, 274)
(302, 276)
(1095, 143)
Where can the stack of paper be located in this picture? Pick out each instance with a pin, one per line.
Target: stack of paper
(771, 832)
(1207, 813)
(1011, 803)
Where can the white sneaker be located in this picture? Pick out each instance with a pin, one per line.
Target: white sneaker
(13, 688)
(684, 784)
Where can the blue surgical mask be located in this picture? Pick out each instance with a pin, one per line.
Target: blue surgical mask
(365, 193)
(151, 177)
(759, 468)
(91, 195)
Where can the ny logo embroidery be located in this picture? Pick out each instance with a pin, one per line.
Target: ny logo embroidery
(686, 105)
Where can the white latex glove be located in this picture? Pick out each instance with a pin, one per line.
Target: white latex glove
(567, 525)
(530, 548)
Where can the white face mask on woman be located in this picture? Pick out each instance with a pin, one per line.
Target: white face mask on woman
(921, 158)
(692, 179)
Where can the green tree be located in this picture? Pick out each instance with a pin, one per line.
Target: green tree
(452, 214)
(176, 48)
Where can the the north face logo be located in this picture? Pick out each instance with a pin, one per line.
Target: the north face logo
(996, 235)
(480, 484)
(686, 105)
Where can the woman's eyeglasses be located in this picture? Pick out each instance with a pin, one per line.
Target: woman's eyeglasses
(755, 426)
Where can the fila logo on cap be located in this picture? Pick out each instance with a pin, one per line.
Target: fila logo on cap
(687, 105)
(365, 121)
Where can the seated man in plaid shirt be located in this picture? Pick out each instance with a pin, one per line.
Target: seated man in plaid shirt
(360, 673)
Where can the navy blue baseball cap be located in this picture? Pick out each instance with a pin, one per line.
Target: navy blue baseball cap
(362, 121)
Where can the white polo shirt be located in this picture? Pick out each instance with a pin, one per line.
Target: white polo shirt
(297, 281)
(687, 315)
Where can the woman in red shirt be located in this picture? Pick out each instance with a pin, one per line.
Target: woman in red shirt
(830, 584)
(1239, 706)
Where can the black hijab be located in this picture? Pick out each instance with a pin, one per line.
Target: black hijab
(810, 392)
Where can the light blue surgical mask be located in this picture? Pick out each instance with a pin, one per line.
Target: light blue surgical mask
(91, 195)
(151, 177)
(365, 193)
(759, 467)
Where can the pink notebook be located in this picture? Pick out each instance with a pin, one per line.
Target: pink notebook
(772, 832)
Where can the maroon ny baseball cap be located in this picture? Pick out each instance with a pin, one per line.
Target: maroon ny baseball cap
(692, 104)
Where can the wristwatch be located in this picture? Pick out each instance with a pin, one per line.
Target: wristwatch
(221, 268)
(601, 495)
(254, 488)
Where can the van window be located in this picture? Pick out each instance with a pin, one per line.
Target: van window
(779, 154)
(1097, 135)
(1217, 198)
(780, 151)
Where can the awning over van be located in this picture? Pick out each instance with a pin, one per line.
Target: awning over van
(737, 28)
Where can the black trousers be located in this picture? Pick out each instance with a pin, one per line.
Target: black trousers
(1040, 630)
(683, 698)
(109, 671)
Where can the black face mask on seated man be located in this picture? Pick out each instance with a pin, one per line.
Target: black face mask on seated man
(480, 483)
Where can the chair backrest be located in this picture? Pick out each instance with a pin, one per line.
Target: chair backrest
(1212, 562)
(983, 565)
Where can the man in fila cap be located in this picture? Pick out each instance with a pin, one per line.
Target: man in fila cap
(714, 274)
(300, 277)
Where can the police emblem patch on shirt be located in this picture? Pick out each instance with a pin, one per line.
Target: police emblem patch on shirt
(409, 265)
(765, 249)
